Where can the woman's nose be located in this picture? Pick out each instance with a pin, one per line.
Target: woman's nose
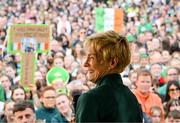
(85, 62)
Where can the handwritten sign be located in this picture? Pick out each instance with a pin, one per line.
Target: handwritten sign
(28, 65)
(28, 38)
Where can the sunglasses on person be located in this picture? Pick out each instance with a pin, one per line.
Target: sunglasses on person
(173, 89)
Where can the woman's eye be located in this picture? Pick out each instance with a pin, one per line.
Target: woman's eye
(92, 57)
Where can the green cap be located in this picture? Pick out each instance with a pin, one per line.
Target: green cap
(62, 90)
(57, 73)
(144, 55)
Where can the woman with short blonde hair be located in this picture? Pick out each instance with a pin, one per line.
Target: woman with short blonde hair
(107, 55)
(110, 46)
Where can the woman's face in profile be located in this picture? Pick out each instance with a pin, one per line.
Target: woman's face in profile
(95, 67)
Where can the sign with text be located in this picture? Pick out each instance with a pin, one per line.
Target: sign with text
(29, 38)
(28, 68)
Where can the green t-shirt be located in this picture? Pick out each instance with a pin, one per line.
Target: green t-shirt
(2, 98)
(145, 27)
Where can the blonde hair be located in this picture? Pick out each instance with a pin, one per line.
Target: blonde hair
(110, 45)
(155, 108)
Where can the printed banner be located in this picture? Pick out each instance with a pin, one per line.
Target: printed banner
(29, 38)
(109, 19)
(27, 68)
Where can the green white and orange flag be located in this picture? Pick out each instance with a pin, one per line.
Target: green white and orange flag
(109, 19)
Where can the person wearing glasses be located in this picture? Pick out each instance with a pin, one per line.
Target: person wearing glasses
(172, 91)
(48, 110)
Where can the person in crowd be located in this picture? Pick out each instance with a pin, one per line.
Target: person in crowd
(24, 112)
(171, 74)
(144, 60)
(48, 110)
(68, 60)
(155, 70)
(156, 114)
(107, 55)
(8, 116)
(172, 91)
(55, 45)
(166, 57)
(173, 104)
(146, 98)
(38, 76)
(18, 93)
(43, 69)
(155, 57)
(175, 62)
(10, 70)
(173, 117)
(6, 84)
(135, 58)
(58, 62)
(64, 105)
(133, 78)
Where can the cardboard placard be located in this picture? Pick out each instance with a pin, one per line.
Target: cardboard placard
(27, 68)
(29, 38)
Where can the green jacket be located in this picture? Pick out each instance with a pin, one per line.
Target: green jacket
(46, 114)
(110, 101)
(59, 118)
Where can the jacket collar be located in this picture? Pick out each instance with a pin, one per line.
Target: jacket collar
(113, 78)
(142, 96)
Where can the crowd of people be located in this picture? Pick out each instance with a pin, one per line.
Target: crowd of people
(152, 28)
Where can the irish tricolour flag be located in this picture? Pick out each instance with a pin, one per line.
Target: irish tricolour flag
(109, 19)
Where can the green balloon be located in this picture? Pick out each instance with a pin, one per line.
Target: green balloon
(57, 73)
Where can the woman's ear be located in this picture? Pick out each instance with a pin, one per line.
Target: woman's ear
(113, 63)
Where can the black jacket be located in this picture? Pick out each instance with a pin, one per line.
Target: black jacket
(110, 101)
